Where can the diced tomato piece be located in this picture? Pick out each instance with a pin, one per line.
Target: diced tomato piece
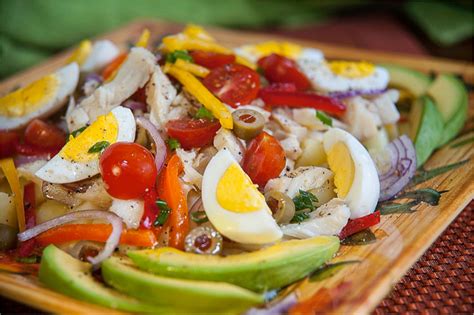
(264, 159)
(43, 135)
(8, 142)
(359, 224)
(233, 84)
(211, 60)
(280, 69)
(193, 133)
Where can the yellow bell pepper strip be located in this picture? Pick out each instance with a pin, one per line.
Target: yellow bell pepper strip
(195, 69)
(202, 94)
(11, 174)
(170, 190)
(81, 53)
(244, 62)
(143, 39)
(197, 32)
(183, 42)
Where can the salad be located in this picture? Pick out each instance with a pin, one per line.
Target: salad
(149, 179)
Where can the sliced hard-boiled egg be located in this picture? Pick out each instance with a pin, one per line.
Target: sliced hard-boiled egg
(234, 205)
(101, 54)
(355, 176)
(290, 50)
(341, 76)
(38, 99)
(74, 162)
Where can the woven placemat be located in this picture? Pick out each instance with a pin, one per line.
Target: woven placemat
(440, 282)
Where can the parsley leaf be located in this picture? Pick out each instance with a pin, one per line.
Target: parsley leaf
(204, 113)
(299, 217)
(178, 54)
(173, 144)
(164, 212)
(305, 200)
(99, 147)
(77, 132)
(325, 119)
(199, 217)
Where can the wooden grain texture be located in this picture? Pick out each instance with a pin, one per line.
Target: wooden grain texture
(401, 238)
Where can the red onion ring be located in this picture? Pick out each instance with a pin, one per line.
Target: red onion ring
(20, 159)
(160, 154)
(134, 105)
(402, 168)
(351, 93)
(111, 243)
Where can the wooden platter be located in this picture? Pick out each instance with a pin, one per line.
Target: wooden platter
(401, 238)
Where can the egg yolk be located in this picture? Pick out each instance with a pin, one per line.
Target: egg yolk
(352, 69)
(236, 192)
(341, 163)
(30, 98)
(105, 128)
(282, 48)
(82, 52)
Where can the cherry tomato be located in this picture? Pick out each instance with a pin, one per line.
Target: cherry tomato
(233, 84)
(193, 133)
(140, 95)
(151, 209)
(44, 136)
(8, 142)
(279, 69)
(264, 159)
(128, 170)
(211, 60)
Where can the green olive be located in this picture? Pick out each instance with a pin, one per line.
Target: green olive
(8, 237)
(283, 208)
(248, 123)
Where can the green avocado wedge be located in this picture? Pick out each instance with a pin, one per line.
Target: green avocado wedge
(426, 128)
(65, 274)
(266, 269)
(183, 295)
(410, 80)
(451, 99)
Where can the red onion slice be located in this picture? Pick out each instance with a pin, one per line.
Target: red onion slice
(402, 169)
(134, 105)
(160, 145)
(20, 160)
(111, 243)
(351, 93)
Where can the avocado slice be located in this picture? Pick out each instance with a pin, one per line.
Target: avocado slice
(65, 274)
(266, 269)
(451, 99)
(426, 128)
(185, 295)
(415, 82)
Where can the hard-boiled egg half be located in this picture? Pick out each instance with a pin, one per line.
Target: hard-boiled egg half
(342, 76)
(290, 50)
(38, 99)
(355, 175)
(234, 205)
(74, 162)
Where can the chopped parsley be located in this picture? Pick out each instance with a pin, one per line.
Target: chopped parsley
(28, 260)
(305, 200)
(77, 132)
(199, 216)
(164, 213)
(98, 147)
(178, 54)
(173, 144)
(204, 113)
(325, 119)
(299, 217)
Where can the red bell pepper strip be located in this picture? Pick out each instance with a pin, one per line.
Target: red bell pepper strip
(170, 190)
(359, 224)
(26, 248)
(299, 99)
(96, 233)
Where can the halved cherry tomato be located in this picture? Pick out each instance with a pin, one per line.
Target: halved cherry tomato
(193, 133)
(279, 69)
(43, 135)
(233, 84)
(211, 60)
(113, 65)
(359, 224)
(151, 209)
(128, 170)
(140, 95)
(264, 159)
(8, 142)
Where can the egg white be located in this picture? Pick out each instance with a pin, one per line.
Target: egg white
(364, 193)
(324, 80)
(256, 227)
(102, 53)
(67, 78)
(309, 54)
(60, 170)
